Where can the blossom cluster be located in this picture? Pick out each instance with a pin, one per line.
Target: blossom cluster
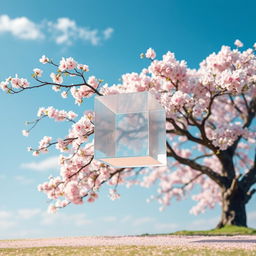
(84, 91)
(14, 83)
(57, 115)
(80, 176)
(225, 135)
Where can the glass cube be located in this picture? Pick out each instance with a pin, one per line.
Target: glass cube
(130, 130)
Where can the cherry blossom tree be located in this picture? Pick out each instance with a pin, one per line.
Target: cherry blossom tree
(210, 129)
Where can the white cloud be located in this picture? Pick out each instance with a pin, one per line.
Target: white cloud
(79, 219)
(2, 177)
(126, 219)
(108, 33)
(23, 180)
(29, 232)
(44, 165)
(6, 220)
(6, 224)
(203, 224)
(141, 221)
(16, 224)
(13, 226)
(28, 213)
(64, 31)
(89, 35)
(20, 27)
(63, 218)
(5, 214)
(109, 219)
(165, 227)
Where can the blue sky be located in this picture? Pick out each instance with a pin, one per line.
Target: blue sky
(191, 29)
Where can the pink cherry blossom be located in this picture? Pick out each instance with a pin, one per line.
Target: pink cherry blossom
(83, 67)
(35, 153)
(72, 193)
(63, 65)
(64, 95)
(52, 208)
(71, 63)
(58, 79)
(29, 149)
(38, 72)
(17, 82)
(58, 115)
(113, 194)
(67, 64)
(4, 86)
(44, 59)
(25, 132)
(56, 88)
(238, 43)
(150, 54)
(44, 143)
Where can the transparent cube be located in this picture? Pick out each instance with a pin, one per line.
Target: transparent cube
(129, 130)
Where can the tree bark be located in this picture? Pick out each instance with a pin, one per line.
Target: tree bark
(233, 208)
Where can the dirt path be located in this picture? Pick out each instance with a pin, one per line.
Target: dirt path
(243, 242)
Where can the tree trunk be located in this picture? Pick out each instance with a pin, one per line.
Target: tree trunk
(233, 208)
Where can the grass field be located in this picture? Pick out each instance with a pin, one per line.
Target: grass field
(122, 251)
(226, 231)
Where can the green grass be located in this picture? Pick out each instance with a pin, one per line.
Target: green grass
(227, 230)
(124, 251)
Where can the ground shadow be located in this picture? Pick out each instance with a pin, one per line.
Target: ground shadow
(225, 241)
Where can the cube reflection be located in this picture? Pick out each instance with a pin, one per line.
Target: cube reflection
(129, 130)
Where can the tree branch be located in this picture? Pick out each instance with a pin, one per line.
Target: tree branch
(185, 184)
(250, 177)
(251, 108)
(59, 85)
(220, 180)
(202, 156)
(235, 106)
(189, 135)
(226, 156)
